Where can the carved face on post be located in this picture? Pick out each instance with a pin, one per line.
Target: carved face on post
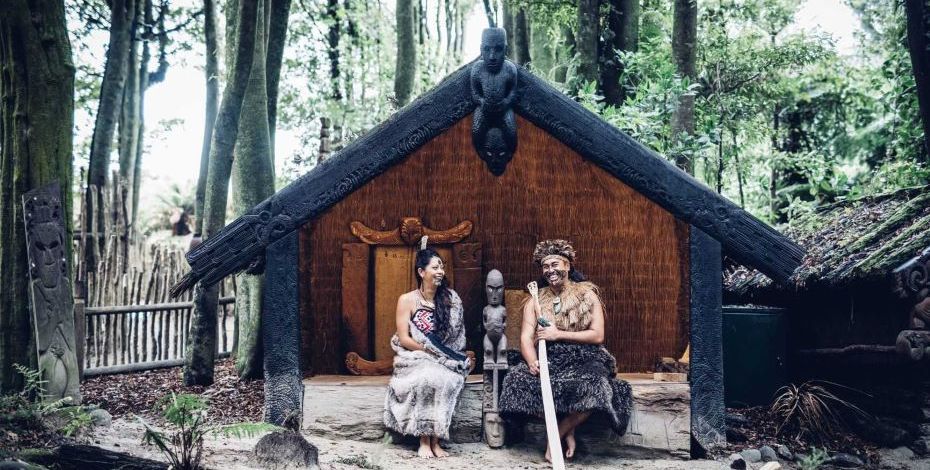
(47, 242)
(496, 154)
(493, 430)
(494, 287)
(493, 48)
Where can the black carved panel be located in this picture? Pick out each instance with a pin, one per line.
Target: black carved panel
(746, 238)
(708, 428)
(281, 331)
(912, 279)
(236, 245)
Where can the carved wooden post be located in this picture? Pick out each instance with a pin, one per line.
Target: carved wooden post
(495, 358)
(50, 293)
(355, 308)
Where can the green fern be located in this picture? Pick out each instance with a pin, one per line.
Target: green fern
(814, 460)
(187, 413)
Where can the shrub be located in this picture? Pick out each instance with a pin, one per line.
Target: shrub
(187, 414)
(811, 409)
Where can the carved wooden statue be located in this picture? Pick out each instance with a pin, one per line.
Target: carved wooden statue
(493, 87)
(495, 319)
(50, 291)
(495, 357)
(912, 280)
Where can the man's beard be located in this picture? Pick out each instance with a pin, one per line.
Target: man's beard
(560, 275)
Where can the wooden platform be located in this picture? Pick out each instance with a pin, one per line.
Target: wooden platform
(351, 407)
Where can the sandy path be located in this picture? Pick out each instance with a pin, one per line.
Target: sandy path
(230, 453)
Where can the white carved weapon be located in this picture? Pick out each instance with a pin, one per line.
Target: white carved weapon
(552, 425)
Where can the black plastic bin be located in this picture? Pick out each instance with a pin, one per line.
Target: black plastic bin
(754, 351)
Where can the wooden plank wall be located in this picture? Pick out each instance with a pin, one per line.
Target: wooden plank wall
(635, 250)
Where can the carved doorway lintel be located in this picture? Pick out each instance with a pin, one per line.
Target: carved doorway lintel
(360, 261)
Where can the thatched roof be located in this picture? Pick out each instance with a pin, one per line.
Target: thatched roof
(856, 240)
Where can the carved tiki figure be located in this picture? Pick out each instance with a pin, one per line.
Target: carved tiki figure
(495, 318)
(493, 87)
(52, 302)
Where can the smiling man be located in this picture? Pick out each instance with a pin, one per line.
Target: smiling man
(582, 372)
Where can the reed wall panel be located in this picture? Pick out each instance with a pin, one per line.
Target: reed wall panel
(633, 249)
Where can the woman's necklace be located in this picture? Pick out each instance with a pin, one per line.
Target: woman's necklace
(426, 302)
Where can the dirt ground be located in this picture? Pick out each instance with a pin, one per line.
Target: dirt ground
(125, 435)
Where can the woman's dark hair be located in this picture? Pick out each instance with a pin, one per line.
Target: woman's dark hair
(574, 275)
(443, 297)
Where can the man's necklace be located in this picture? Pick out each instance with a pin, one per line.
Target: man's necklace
(557, 305)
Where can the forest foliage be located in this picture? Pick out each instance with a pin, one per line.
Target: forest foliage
(784, 122)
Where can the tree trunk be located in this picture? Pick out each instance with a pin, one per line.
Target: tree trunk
(490, 13)
(108, 111)
(332, 12)
(684, 46)
(36, 125)
(201, 349)
(521, 38)
(621, 35)
(918, 44)
(253, 182)
(541, 47)
(129, 115)
(277, 35)
(212, 73)
(507, 24)
(586, 39)
(144, 82)
(566, 55)
(406, 69)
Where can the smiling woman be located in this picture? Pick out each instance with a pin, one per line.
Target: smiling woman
(430, 365)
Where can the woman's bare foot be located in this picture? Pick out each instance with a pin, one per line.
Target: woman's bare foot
(437, 450)
(570, 445)
(425, 451)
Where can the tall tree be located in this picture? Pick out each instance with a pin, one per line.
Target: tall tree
(122, 13)
(918, 44)
(586, 41)
(521, 38)
(201, 350)
(621, 35)
(405, 72)
(280, 10)
(335, 31)
(36, 125)
(252, 182)
(684, 51)
(212, 72)
(129, 119)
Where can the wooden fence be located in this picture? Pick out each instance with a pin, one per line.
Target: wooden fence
(124, 317)
(128, 338)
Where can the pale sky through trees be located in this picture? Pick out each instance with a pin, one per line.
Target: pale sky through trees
(173, 154)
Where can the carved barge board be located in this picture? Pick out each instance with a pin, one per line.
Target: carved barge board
(236, 245)
(746, 238)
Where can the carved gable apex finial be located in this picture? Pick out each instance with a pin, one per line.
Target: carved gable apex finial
(494, 90)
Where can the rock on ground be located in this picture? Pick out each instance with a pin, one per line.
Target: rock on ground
(286, 449)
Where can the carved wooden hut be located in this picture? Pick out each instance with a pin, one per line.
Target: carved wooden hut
(649, 234)
(858, 310)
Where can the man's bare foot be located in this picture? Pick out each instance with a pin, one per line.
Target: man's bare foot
(548, 454)
(570, 445)
(425, 451)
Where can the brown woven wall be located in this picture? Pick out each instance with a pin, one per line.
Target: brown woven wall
(635, 250)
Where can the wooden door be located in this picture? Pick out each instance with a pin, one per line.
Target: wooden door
(393, 276)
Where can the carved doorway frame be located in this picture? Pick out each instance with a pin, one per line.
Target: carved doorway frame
(357, 274)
